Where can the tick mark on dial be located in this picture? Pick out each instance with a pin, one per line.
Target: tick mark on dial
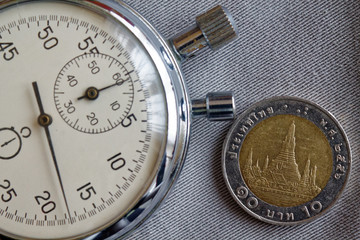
(76, 122)
(111, 63)
(77, 64)
(110, 123)
(128, 73)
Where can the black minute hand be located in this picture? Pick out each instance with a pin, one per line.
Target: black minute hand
(45, 120)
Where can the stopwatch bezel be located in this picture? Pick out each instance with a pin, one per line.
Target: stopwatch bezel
(178, 109)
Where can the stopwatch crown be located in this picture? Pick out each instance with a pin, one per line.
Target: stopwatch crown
(214, 28)
(217, 26)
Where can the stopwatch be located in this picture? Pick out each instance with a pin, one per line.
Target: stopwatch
(95, 115)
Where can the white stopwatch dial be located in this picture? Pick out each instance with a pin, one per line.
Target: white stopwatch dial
(84, 118)
(95, 115)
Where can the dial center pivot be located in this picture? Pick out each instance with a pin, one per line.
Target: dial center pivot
(44, 120)
(92, 93)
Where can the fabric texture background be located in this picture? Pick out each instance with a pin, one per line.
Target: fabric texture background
(307, 49)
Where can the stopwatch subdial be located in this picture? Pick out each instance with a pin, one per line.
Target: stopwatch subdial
(10, 143)
(94, 92)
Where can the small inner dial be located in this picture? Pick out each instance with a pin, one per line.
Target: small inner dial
(94, 92)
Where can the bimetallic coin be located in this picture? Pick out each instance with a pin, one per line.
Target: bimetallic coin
(286, 160)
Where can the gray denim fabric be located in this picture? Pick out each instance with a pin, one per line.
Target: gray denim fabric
(308, 49)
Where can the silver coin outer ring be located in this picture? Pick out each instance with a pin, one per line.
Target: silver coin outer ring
(286, 215)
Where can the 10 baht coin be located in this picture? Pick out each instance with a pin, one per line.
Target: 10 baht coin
(286, 160)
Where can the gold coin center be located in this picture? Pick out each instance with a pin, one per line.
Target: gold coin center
(286, 160)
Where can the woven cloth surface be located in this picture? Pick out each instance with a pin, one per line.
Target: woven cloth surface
(307, 49)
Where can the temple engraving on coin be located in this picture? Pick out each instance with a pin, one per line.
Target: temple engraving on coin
(287, 166)
(278, 179)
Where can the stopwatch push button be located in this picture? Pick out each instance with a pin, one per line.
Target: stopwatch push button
(217, 106)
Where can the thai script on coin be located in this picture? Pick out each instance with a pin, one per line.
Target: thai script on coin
(286, 160)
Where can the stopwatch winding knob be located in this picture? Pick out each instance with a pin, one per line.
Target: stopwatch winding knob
(217, 26)
(213, 28)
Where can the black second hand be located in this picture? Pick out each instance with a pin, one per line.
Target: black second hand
(104, 88)
(48, 136)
